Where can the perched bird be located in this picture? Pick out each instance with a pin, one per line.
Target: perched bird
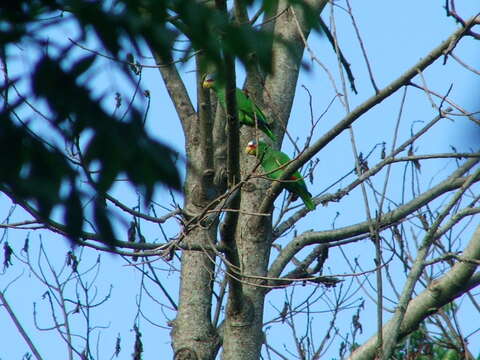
(273, 163)
(248, 112)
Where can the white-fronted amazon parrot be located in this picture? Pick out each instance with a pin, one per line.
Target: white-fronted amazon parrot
(273, 163)
(248, 112)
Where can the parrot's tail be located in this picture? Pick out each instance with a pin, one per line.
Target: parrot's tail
(309, 204)
(265, 127)
(307, 199)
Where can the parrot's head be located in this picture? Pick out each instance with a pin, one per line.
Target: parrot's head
(251, 148)
(208, 81)
(257, 148)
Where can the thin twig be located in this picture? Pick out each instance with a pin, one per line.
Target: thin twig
(19, 326)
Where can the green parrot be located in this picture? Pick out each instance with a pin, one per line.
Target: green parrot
(248, 112)
(273, 163)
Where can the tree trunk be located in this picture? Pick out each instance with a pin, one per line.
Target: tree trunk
(193, 334)
(243, 334)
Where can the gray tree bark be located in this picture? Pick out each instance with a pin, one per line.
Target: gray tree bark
(248, 238)
(445, 289)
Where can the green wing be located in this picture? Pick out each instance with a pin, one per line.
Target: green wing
(247, 111)
(249, 114)
(274, 163)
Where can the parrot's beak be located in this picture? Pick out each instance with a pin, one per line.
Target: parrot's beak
(251, 149)
(207, 83)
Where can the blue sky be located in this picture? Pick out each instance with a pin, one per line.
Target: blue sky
(396, 35)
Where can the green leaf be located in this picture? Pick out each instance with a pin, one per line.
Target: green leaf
(73, 216)
(104, 226)
(81, 66)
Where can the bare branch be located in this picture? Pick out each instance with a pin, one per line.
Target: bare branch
(445, 289)
(388, 219)
(19, 326)
(363, 108)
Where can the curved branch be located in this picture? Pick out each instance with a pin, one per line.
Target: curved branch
(19, 326)
(324, 199)
(59, 228)
(442, 291)
(418, 266)
(343, 124)
(321, 237)
(287, 224)
(177, 91)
